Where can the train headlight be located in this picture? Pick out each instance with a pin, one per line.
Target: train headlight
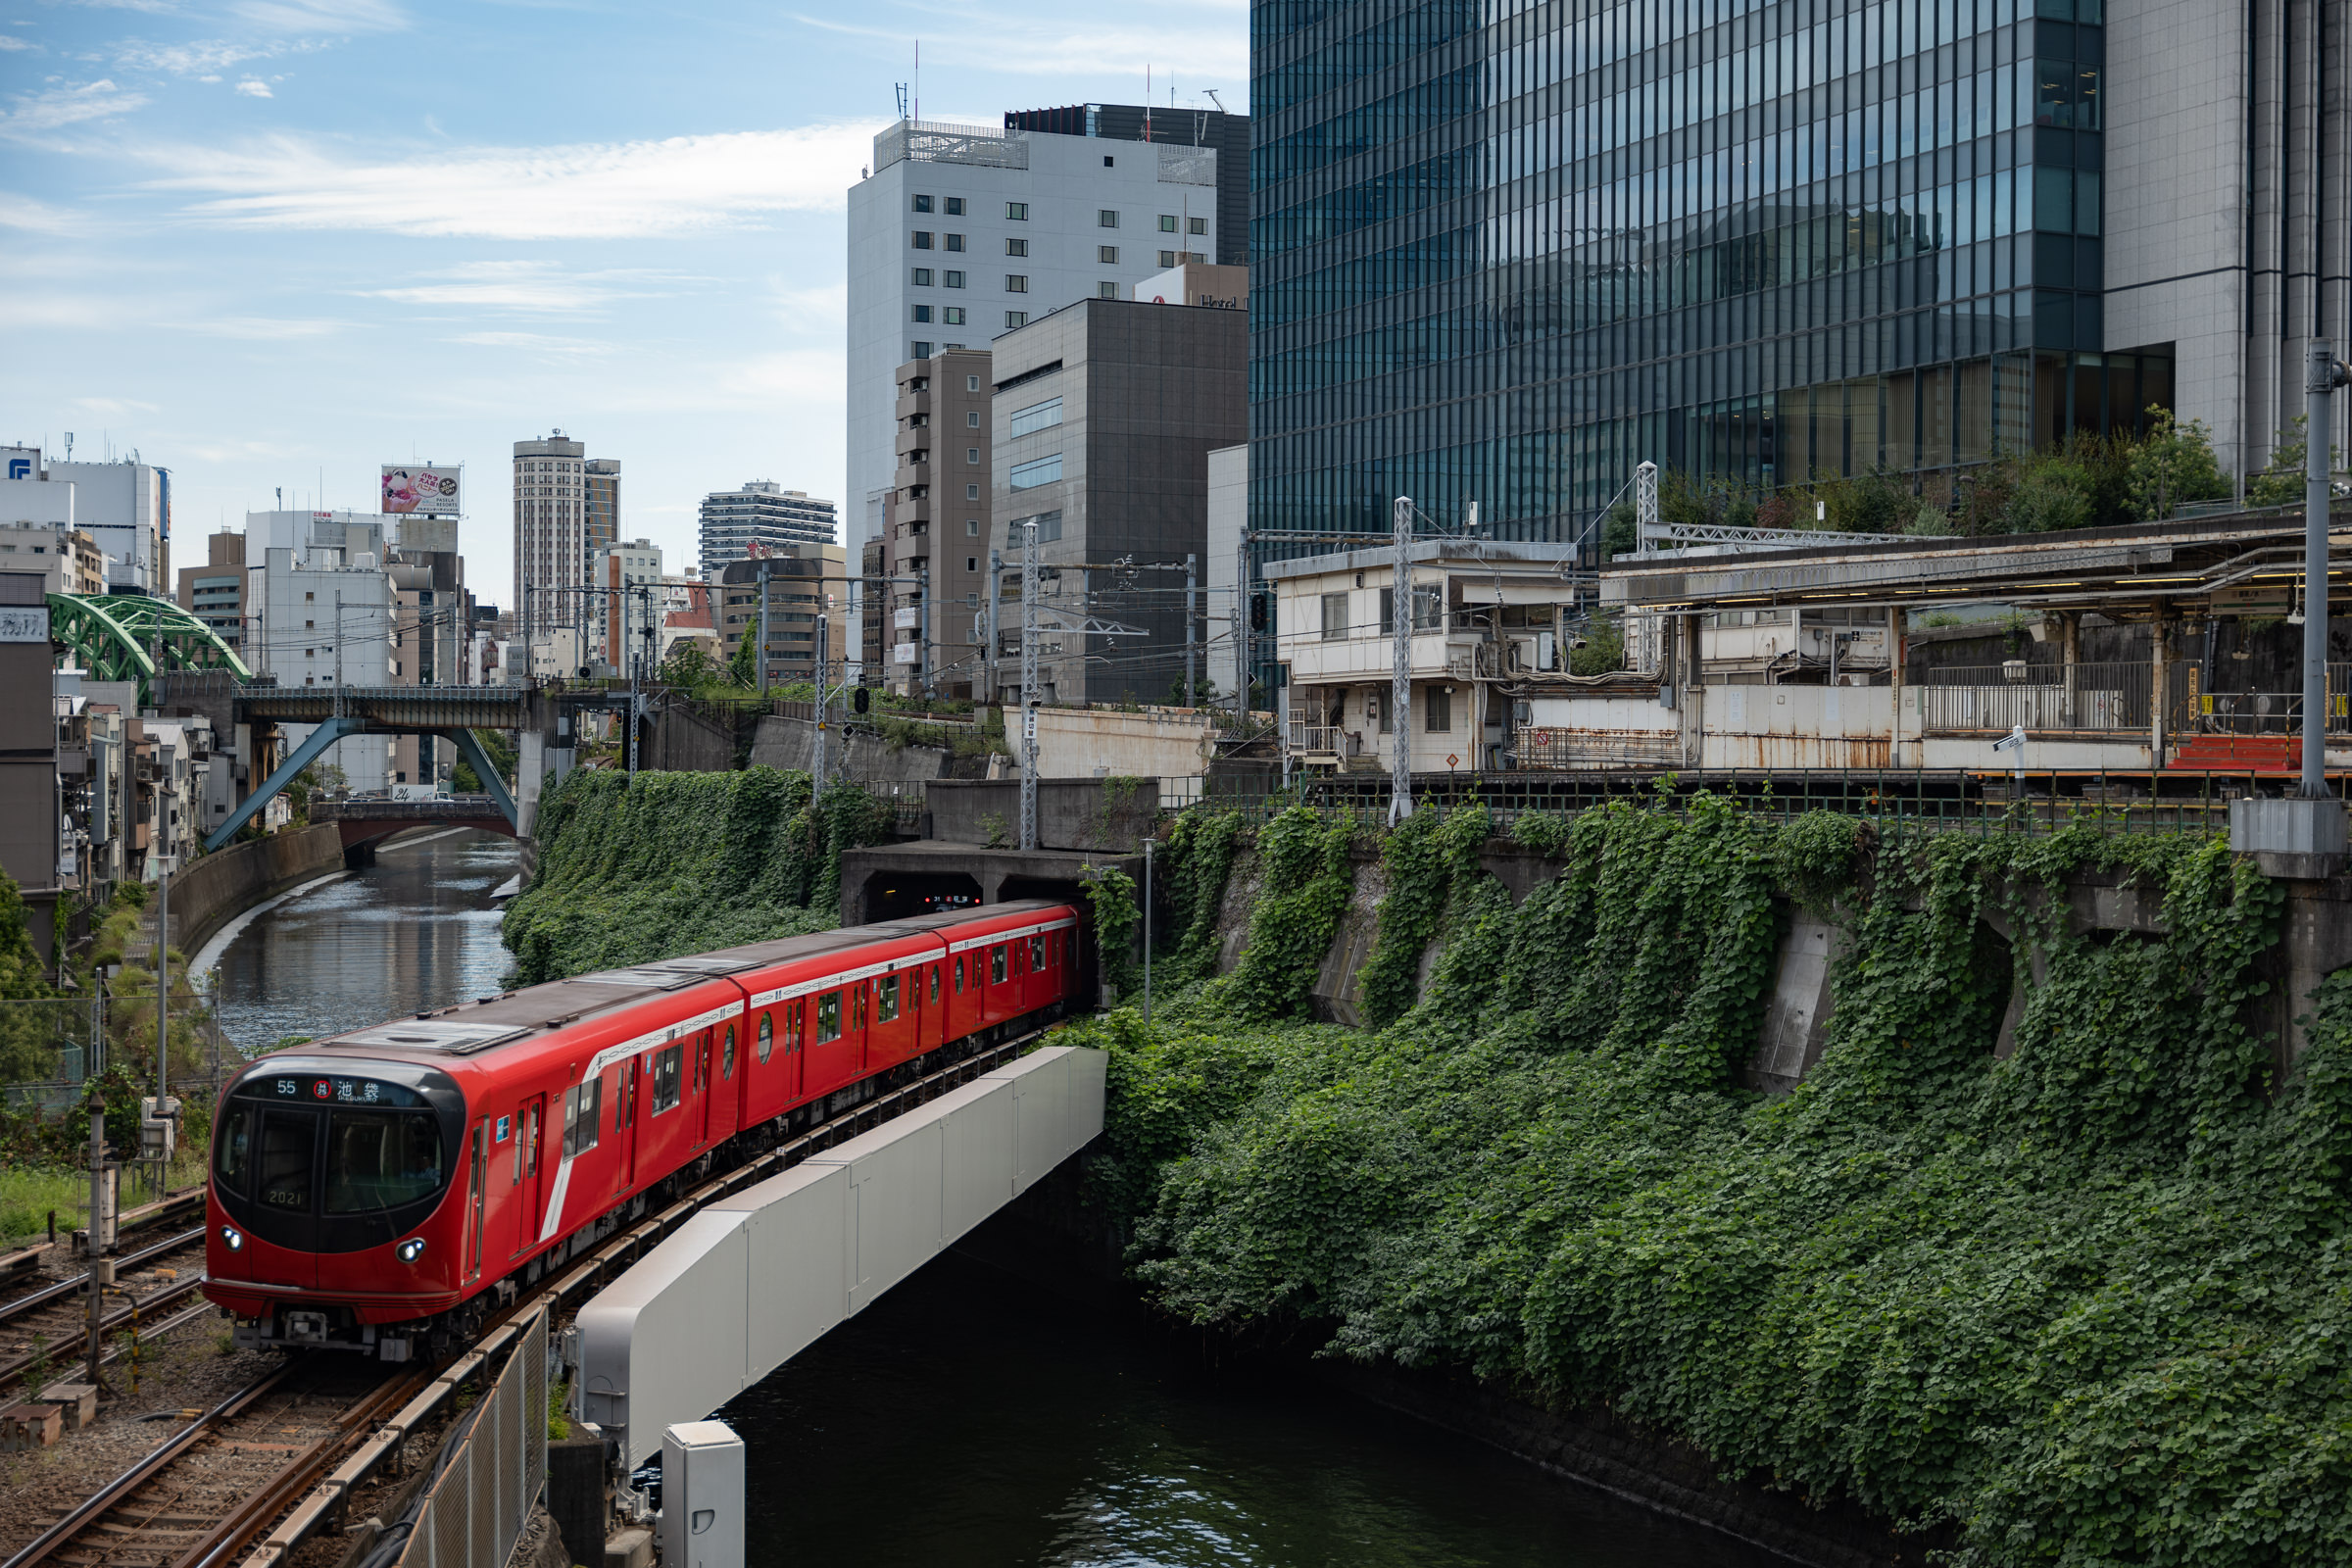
(234, 1237)
(410, 1250)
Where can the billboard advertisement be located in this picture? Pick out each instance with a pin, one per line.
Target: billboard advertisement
(414, 489)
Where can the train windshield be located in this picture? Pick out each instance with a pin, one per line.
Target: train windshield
(381, 1158)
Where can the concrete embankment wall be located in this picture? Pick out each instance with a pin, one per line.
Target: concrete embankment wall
(2315, 940)
(224, 884)
(791, 743)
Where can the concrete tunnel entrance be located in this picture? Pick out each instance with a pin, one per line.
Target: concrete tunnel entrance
(892, 897)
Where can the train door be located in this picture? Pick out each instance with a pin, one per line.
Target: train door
(706, 1087)
(795, 1042)
(530, 1119)
(861, 1018)
(477, 1202)
(726, 1110)
(624, 1122)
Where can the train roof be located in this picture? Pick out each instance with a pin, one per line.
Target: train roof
(467, 1028)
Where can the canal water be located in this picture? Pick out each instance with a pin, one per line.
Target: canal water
(971, 1417)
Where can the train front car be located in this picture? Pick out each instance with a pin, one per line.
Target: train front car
(328, 1160)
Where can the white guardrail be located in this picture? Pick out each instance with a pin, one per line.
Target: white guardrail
(753, 1280)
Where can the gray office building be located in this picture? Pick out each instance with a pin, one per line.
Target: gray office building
(1104, 415)
(762, 514)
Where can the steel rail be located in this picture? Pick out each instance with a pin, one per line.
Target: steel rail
(80, 1283)
(154, 1464)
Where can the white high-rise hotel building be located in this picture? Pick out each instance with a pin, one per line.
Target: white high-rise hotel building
(962, 232)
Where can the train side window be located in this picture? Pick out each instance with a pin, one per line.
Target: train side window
(1037, 954)
(232, 1148)
(889, 1005)
(583, 1105)
(767, 1036)
(935, 983)
(995, 965)
(829, 1016)
(669, 1066)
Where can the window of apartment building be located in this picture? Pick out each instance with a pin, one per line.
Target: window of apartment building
(1013, 318)
(1017, 284)
(922, 239)
(1108, 291)
(1167, 223)
(1106, 218)
(921, 350)
(951, 279)
(922, 277)
(922, 312)
(1043, 470)
(1439, 704)
(1019, 211)
(971, 454)
(953, 314)
(971, 562)
(1335, 617)
(971, 527)
(955, 241)
(971, 420)
(1108, 255)
(1017, 247)
(971, 492)
(1197, 226)
(971, 383)
(922, 204)
(954, 207)
(1036, 417)
(1167, 257)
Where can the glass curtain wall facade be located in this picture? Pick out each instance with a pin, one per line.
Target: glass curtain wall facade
(1503, 252)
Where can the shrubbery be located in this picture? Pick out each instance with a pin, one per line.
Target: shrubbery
(2088, 1303)
(681, 862)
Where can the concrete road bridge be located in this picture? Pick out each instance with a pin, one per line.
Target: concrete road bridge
(363, 823)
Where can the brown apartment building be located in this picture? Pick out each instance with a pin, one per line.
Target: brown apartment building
(936, 532)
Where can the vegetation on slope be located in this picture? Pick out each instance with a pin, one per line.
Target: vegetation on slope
(681, 862)
(2086, 1304)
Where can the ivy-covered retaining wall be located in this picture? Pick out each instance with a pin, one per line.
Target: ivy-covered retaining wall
(2087, 1301)
(681, 862)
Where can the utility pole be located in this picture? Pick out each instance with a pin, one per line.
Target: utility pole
(817, 774)
(995, 567)
(2321, 375)
(922, 626)
(820, 641)
(1029, 688)
(1149, 845)
(1190, 695)
(1401, 675)
(1243, 652)
(102, 1270)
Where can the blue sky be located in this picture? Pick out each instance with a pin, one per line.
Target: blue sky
(278, 242)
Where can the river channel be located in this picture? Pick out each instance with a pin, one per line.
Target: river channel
(971, 1417)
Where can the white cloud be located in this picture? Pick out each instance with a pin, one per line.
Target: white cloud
(181, 58)
(38, 217)
(253, 88)
(66, 106)
(115, 406)
(537, 343)
(532, 288)
(323, 16)
(9, 41)
(259, 328)
(586, 190)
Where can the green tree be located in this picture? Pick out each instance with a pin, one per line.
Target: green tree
(1620, 530)
(689, 665)
(1603, 647)
(2281, 483)
(2173, 464)
(744, 669)
(2054, 493)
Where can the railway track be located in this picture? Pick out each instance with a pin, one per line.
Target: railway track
(197, 1498)
(52, 1324)
(270, 1463)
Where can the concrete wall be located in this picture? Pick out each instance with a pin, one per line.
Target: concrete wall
(791, 743)
(220, 886)
(1167, 743)
(1072, 813)
(683, 741)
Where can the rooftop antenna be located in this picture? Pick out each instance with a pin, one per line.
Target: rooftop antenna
(918, 80)
(900, 89)
(1212, 93)
(69, 446)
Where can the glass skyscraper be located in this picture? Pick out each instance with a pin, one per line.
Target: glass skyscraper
(1503, 252)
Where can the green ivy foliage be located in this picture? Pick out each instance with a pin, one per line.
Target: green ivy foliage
(2086, 1303)
(1309, 879)
(1425, 857)
(681, 862)
(1111, 898)
(1191, 877)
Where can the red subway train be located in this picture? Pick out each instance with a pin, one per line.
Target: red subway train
(381, 1190)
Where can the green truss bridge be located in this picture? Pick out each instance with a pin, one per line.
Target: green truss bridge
(119, 636)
